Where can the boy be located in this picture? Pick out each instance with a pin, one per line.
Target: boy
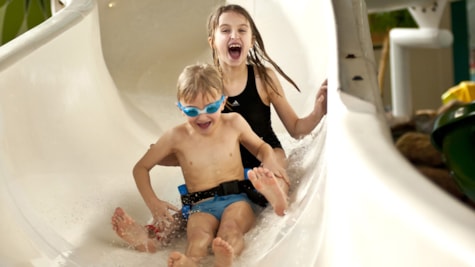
(207, 149)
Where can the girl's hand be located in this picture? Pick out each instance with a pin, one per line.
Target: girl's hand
(321, 100)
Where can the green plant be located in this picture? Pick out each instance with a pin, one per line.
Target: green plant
(385, 21)
(18, 16)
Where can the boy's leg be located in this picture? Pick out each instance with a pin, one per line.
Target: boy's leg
(177, 259)
(200, 231)
(237, 219)
(133, 233)
(265, 182)
(173, 231)
(224, 253)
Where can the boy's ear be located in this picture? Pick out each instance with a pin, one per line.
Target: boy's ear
(224, 103)
(179, 109)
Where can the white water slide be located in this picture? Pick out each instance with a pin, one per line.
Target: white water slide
(84, 94)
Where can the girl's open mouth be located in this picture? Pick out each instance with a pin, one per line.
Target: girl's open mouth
(234, 51)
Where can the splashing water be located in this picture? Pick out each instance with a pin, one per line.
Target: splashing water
(305, 173)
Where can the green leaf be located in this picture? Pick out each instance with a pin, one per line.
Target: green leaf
(14, 16)
(45, 8)
(35, 14)
(4, 2)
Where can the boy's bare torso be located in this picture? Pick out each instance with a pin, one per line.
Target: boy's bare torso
(208, 160)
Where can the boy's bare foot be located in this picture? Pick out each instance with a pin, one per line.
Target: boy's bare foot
(223, 253)
(177, 259)
(266, 183)
(131, 232)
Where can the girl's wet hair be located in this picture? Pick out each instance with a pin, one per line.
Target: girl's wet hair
(257, 54)
(204, 79)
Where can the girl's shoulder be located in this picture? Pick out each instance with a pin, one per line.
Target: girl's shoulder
(270, 71)
(268, 86)
(232, 118)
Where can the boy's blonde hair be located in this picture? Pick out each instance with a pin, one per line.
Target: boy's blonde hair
(199, 78)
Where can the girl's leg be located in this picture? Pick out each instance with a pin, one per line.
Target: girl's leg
(267, 184)
(282, 159)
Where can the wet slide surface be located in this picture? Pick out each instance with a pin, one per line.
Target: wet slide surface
(73, 126)
(83, 95)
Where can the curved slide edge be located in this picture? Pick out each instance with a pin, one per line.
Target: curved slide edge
(69, 140)
(379, 210)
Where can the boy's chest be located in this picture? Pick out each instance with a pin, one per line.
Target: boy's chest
(206, 151)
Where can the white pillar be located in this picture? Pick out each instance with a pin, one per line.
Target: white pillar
(400, 41)
(428, 35)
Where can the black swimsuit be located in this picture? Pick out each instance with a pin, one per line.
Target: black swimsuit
(256, 113)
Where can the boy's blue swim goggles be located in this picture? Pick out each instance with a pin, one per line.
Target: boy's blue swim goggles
(209, 109)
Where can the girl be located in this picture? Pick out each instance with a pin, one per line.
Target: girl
(238, 51)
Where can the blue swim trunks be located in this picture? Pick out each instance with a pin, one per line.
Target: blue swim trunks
(217, 205)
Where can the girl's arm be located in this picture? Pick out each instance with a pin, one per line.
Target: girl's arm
(297, 127)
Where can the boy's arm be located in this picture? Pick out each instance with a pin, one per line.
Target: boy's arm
(141, 172)
(265, 154)
(260, 149)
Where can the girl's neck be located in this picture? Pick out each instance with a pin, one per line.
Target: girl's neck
(234, 79)
(234, 73)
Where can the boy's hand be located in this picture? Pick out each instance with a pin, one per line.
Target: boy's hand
(277, 170)
(161, 213)
(282, 174)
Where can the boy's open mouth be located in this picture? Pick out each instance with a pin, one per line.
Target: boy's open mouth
(234, 51)
(204, 125)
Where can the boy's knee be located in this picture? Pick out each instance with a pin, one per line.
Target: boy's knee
(230, 230)
(199, 239)
(229, 226)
